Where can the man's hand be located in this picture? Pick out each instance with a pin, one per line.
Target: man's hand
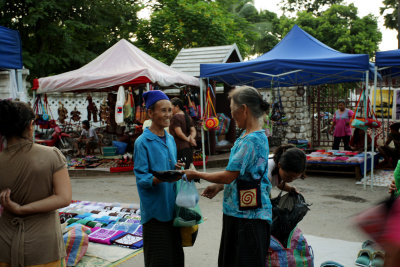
(8, 204)
(212, 190)
(180, 165)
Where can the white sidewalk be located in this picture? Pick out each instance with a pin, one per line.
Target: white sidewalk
(328, 249)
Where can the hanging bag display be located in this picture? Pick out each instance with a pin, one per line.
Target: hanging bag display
(210, 119)
(119, 106)
(278, 114)
(364, 123)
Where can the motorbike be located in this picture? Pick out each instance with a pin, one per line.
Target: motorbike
(57, 138)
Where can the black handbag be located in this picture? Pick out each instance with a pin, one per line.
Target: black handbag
(287, 211)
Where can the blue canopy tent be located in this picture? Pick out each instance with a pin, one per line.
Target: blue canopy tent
(11, 57)
(387, 63)
(299, 59)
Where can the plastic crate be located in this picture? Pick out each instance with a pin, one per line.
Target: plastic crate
(109, 151)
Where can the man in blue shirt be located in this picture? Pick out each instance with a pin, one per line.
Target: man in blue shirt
(155, 150)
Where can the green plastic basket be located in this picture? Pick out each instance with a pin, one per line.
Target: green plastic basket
(109, 151)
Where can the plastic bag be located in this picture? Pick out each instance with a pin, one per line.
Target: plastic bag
(287, 212)
(187, 217)
(187, 196)
(76, 243)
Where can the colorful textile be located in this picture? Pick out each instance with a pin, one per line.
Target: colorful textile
(103, 236)
(249, 156)
(297, 252)
(128, 240)
(76, 243)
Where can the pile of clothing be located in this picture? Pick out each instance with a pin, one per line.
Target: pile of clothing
(335, 156)
(109, 223)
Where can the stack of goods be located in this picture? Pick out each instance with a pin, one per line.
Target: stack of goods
(109, 223)
(198, 158)
(112, 165)
(300, 143)
(335, 156)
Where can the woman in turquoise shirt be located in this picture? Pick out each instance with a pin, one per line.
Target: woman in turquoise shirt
(155, 150)
(246, 205)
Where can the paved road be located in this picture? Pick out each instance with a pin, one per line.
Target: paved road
(334, 201)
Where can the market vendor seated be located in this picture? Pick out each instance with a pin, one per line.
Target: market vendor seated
(88, 139)
(391, 155)
(357, 141)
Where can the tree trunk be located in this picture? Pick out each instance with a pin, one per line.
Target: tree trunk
(398, 24)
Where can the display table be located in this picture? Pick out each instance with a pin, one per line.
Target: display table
(337, 167)
(114, 231)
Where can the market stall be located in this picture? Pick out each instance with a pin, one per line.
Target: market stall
(387, 64)
(123, 68)
(298, 60)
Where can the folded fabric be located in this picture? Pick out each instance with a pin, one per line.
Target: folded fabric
(128, 240)
(71, 221)
(103, 236)
(64, 216)
(340, 158)
(82, 216)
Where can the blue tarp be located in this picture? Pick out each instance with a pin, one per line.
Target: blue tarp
(10, 49)
(389, 61)
(299, 59)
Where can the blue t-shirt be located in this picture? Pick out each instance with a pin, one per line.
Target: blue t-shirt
(152, 154)
(249, 156)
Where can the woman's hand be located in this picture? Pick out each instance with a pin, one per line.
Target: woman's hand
(212, 190)
(192, 141)
(392, 187)
(8, 204)
(191, 175)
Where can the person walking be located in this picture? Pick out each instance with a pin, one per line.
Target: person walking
(183, 131)
(247, 210)
(341, 126)
(155, 150)
(34, 183)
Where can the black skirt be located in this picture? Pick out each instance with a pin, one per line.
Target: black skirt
(244, 242)
(162, 245)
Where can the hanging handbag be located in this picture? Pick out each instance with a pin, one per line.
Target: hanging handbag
(364, 123)
(210, 120)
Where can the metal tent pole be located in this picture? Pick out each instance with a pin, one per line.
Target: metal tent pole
(365, 133)
(373, 130)
(202, 129)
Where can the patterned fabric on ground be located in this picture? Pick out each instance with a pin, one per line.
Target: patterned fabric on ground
(381, 178)
(103, 236)
(128, 240)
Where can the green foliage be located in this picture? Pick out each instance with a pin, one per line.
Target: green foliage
(340, 28)
(59, 36)
(389, 10)
(312, 6)
(177, 24)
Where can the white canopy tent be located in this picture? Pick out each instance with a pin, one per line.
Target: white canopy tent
(123, 63)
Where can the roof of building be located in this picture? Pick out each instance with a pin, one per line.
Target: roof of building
(189, 59)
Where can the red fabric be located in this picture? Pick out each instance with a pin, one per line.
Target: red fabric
(35, 84)
(138, 80)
